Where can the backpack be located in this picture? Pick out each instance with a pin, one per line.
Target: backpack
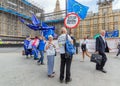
(69, 48)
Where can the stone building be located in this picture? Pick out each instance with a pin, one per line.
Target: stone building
(106, 18)
(10, 25)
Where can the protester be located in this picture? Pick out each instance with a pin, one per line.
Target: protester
(118, 46)
(84, 47)
(30, 47)
(50, 49)
(26, 45)
(64, 60)
(35, 45)
(41, 49)
(101, 47)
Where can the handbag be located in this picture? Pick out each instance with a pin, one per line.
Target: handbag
(96, 58)
(69, 48)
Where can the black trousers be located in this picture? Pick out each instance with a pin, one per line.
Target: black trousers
(104, 59)
(67, 62)
(28, 51)
(118, 52)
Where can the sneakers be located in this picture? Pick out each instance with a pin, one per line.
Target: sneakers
(50, 76)
(26, 57)
(36, 58)
(42, 63)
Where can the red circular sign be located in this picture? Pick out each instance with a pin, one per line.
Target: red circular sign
(71, 21)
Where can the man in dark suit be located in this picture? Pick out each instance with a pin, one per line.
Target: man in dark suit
(101, 47)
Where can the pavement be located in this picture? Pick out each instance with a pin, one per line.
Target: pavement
(16, 70)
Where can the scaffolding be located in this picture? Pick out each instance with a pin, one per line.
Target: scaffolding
(10, 11)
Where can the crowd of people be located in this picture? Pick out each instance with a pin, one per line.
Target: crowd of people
(39, 45)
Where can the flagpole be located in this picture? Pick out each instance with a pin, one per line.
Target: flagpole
(66, 14)
(66, 7)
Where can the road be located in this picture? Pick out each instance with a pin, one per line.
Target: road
(16, 70)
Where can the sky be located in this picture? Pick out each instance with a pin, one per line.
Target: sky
(49, 5)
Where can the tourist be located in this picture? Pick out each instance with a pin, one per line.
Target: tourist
(50, 49)
(84, 47)
(64, 59)
(41, 49)
(35, 45)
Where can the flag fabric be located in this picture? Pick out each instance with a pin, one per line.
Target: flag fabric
(119, 32)
(41, 26)
(35, 20)
(114, 33)
(22, 20)
(74, 6)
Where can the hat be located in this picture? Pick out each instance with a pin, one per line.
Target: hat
(50, 36)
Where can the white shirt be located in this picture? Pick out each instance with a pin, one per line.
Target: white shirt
(84, 42)
(50, 50)
(61, 42)
(103, 38)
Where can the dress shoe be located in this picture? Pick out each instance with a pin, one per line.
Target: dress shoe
(61, 81)
(67, 81)
(103, 71)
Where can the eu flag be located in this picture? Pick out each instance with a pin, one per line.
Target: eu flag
(74, 6)
(35, 20)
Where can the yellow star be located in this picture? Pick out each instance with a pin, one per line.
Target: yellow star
(76, 4)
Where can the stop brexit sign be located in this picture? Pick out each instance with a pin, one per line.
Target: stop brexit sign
(71, 21)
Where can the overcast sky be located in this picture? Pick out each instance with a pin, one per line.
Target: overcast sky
(49, 5)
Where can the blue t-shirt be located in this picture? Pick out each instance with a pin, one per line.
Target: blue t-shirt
(41, 45)
(26, 43)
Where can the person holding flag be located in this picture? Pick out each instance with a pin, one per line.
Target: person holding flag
(35, 45)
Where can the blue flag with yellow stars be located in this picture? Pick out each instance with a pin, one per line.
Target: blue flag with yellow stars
(74, 6)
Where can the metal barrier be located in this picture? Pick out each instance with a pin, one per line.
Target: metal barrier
(10, 45)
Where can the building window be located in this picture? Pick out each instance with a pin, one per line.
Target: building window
(104, 11)
(95, 21)
(88, 22)
(116, 26)
(116, 18)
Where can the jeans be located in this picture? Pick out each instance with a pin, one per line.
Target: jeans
(50, 63)
(35, 52)
(42, 56)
